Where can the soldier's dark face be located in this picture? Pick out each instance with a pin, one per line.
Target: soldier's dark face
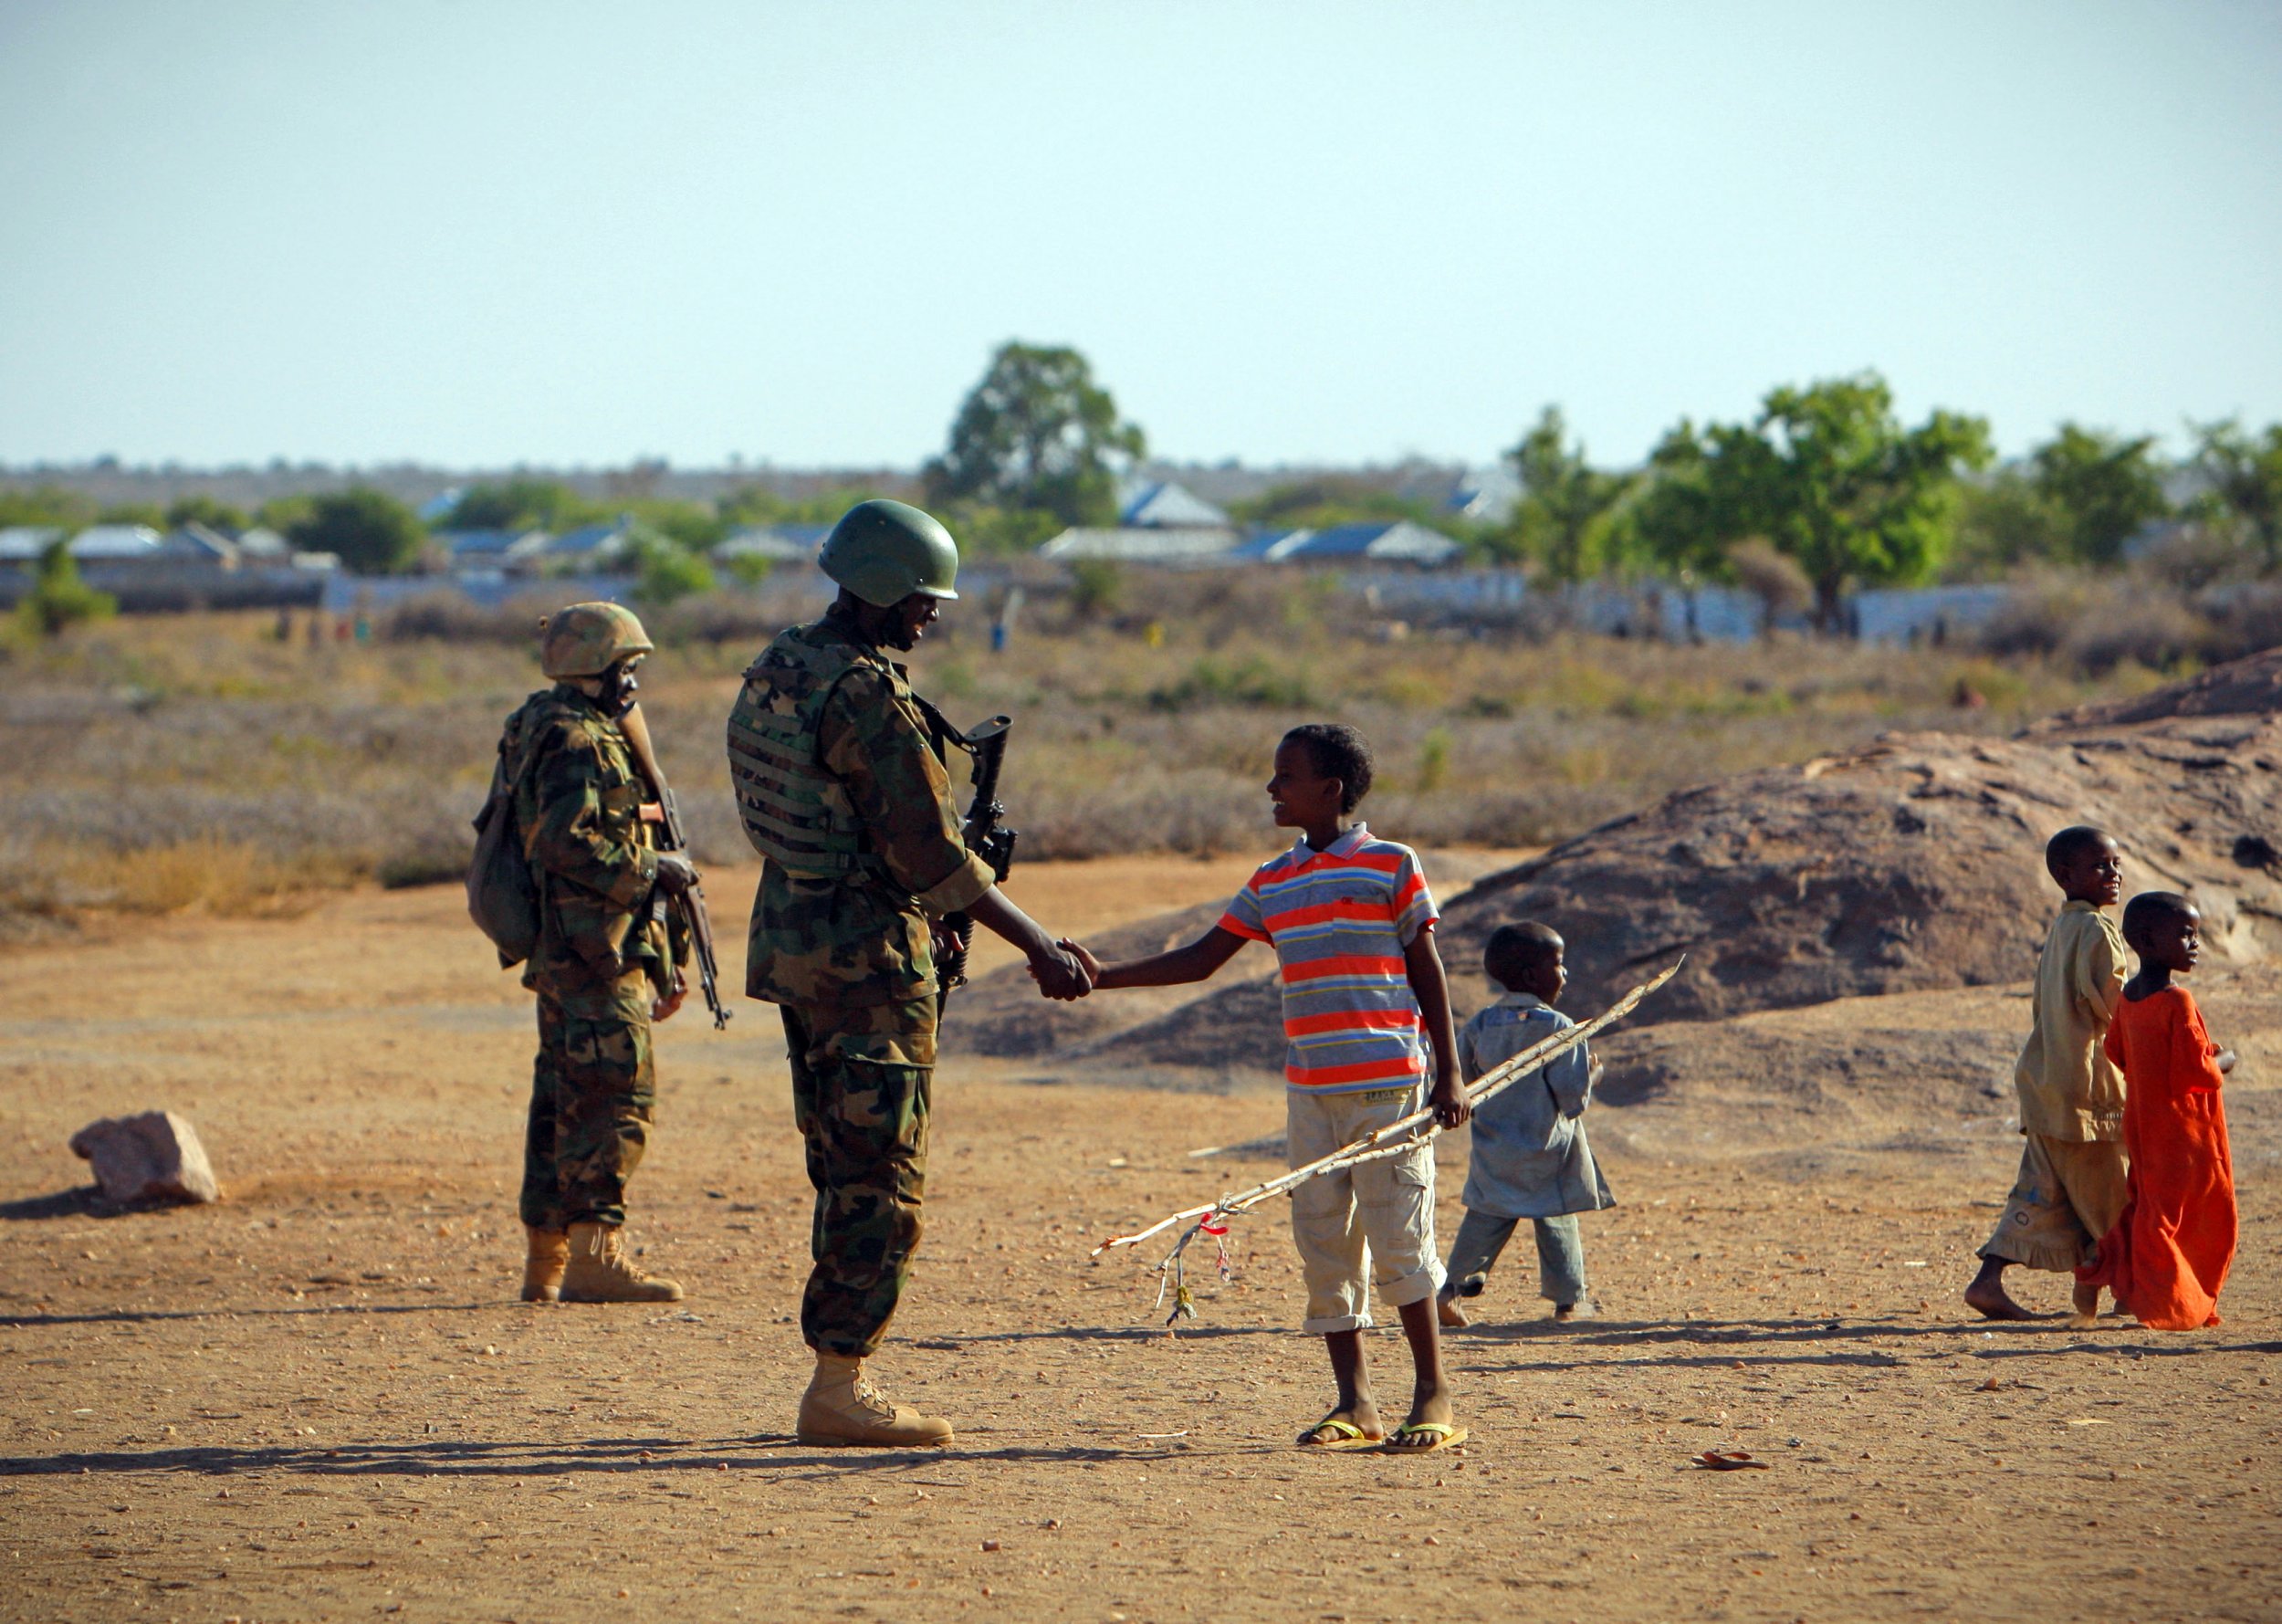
(909, 620)
(619, 685)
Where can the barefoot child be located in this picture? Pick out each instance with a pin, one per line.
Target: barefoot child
(2167, 1256)
(1530, 1158)
(1351, 923)
(2070, 1186)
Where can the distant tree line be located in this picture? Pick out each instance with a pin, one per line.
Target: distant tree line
(1823, 491)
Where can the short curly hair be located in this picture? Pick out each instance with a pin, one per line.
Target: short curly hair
(1338, 752)
(2144, 912)
(1514, 952)
(2075, 838)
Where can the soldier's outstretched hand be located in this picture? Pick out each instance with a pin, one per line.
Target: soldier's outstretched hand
(1060, 974)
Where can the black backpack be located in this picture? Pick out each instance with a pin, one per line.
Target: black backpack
(502, 892)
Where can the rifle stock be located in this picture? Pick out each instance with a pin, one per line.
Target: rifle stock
(691, 905)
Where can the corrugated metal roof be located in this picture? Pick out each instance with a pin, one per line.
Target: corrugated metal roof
(588, 537)
(115, 541)
(1269, 546)
(22, 543)
(1168, 505)
(774, 542)
(1140, 545)
(1377, 540)
(475, 544)
(195, 542)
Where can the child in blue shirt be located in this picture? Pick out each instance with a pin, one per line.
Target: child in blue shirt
(1530, 1158)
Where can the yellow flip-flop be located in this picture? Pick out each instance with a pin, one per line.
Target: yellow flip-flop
(1349, 1436)
(1443, 1434)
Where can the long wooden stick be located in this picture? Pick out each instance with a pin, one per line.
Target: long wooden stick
(1374, 1144)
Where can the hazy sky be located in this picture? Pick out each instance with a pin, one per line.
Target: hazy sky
(479, 233)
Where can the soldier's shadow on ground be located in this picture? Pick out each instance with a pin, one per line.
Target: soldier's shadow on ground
(143, 1317)
(776, 1455)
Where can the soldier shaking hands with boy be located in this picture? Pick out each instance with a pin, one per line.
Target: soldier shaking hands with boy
(841, 783)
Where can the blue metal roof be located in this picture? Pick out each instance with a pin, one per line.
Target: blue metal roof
(1168, 505)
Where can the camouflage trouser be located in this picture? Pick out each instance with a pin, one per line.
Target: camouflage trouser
(859, 1085)
(592, 1091)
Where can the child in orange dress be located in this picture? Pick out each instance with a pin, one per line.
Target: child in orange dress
(2168, 1254)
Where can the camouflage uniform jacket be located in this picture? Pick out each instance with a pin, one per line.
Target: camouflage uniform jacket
(578, 804)
(863, 937)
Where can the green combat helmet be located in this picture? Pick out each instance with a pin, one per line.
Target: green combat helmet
(588, 639)
(884, 551)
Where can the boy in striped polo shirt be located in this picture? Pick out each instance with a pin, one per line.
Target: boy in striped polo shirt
(1364, 1004)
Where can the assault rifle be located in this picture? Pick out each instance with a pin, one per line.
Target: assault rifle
(983, 834)
(690, 905)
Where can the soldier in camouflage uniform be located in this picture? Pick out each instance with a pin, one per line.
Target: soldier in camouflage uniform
(605, 967)
(840, 779)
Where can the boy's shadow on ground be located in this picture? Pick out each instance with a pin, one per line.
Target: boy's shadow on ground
(1787, 1341)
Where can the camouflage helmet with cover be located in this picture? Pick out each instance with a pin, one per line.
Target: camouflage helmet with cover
(884, 551)
(588, 639)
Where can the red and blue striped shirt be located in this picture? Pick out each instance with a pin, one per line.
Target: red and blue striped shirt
(1340, 920)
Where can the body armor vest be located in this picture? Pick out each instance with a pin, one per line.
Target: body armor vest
(795, 813)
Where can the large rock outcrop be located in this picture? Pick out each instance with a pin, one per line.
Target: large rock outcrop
(1913, 864)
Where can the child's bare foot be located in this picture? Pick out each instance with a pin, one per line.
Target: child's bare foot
(2084, 1304)
(1356, 1423)
(1987, 1297)
(1580, 1309)
(1451, 1314)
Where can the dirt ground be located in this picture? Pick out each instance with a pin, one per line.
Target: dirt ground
(318, 1399)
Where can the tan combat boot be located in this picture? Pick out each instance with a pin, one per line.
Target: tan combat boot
(601, 1271)
(842, 1406)
(543, 1265)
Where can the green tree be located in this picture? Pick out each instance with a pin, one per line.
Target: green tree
(198, 509)
(667, 572)
(370, 531)
(2102, 487)
(2245, 474)
(59, 597)
(519, 504)
(1565, 519)
(1327, 499)
(1037, 433)
(1827, 476)
(149, 513)
(2003, 522)
(757, 505)
(45, 505)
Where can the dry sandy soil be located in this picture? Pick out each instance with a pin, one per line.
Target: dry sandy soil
(319, 1400)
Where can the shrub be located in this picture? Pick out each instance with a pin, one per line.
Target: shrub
(1096, 585)
(60, 599)
(1773, 578)
(669, 573)
(1434, 761)
(1249, 681)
